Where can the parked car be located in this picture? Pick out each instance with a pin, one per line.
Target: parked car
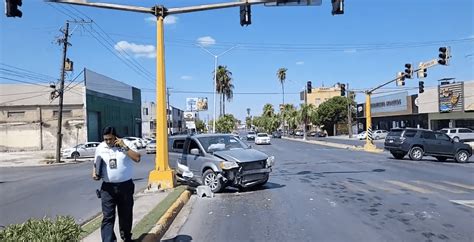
(151, 147)
(136, 142)
(317, 134)
(80, 150)
(276, 134)
(421, 142)
(362, 135)
(299, 133)
(251, 135)
(218, 161)
(380, 134)
(459, 134)
(262, 138)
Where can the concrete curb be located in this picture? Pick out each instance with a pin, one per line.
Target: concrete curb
(335, 145)
(168, 217)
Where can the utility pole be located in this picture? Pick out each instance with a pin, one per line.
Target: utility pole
(59, 136)
(169, 114)
(305, 118)
(349, 112)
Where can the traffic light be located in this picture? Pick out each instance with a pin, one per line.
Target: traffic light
(309, 88)
(245, 15)
(337, 7)
(421, 87)
(11, 8)
(443, 55)
(400, 79)
(422, 73)
(408, 71)
(343, 90)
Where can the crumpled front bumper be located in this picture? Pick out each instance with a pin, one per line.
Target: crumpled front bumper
(246, 178)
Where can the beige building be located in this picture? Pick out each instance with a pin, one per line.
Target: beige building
(29, 118)
(322, 94)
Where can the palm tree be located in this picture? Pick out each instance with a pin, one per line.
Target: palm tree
(224, 87)
(281, 75)
(286, 114)
(305, 114)
(268, 110)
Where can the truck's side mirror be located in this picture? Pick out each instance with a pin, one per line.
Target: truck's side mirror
(195, 151)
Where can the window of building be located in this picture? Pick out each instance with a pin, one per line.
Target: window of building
(152, 125)
(16, 114)
(66, 113)
(145, 111)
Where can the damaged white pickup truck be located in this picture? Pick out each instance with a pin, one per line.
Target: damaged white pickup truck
(218, 161)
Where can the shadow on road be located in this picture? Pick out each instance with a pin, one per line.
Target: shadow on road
(179, 238)
(448, 161)
(267, 186)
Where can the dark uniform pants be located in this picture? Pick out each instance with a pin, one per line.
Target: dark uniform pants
(118, 195)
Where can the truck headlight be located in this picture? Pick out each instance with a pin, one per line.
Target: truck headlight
(270, 161)
(227, 165)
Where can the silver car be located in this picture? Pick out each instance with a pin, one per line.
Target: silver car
(218, 160)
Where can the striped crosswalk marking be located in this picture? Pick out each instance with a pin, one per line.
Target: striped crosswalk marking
(409, 186)
(468, 203)
(440, 187)
(470, 187)
(353, 187)
(382, 187)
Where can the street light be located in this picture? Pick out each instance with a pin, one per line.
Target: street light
(215, 79)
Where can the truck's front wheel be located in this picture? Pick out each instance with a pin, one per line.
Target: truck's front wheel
(211, 180)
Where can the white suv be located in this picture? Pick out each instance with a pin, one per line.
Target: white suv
(459, 134)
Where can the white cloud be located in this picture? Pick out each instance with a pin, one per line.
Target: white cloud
(171, 20)
(350, 51)
(206, 41)
(186, 77)
(300, 62)
(168, 20)
(137, 50)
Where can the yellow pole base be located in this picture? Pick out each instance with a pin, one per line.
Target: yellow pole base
(371, 148)
(161, 180)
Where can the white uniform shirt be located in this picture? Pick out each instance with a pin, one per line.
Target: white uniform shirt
(124, 164)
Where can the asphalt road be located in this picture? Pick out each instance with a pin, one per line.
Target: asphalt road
(56, 190)
(326, 194)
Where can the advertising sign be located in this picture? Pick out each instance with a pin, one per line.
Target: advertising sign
(451, 97)
(389, 103)
(191, 104)
(202, 104)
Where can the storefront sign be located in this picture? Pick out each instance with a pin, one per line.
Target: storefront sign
(390, 103)
(451, 97)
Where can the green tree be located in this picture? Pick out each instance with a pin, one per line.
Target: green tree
(268, 110)
(225, 124)
(200, 126)
(305, 114)
(248, 122)
(286, 112)
(224, 87)
(281, 75)
(332, 112)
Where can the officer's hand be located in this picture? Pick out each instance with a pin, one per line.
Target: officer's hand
(120, 143)
(94, 176)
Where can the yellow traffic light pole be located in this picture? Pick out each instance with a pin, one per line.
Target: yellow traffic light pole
(162, 176)
(369, 139)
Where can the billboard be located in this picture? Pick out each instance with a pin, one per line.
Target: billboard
(451, 97)
(202, 104)
(196, 104)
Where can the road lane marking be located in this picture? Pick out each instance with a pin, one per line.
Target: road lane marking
(384, 188)
(353, 187)
(468, 203)
(440, 187)
(409, 186)
(470, 187)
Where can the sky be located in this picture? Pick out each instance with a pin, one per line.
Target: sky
(364, 47)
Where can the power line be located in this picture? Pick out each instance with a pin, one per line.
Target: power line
(15, 80)
(28, 71)
(75, 79)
